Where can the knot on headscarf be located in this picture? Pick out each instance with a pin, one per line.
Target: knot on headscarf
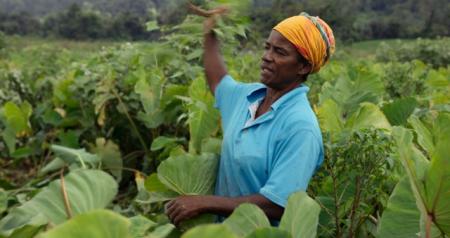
(312, 37)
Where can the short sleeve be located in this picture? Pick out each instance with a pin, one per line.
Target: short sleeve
(296, 158)
(227, 94)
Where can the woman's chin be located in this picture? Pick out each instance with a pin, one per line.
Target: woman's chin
(265, 79)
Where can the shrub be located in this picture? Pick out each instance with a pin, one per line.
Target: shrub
(434, 52)
(2, 41)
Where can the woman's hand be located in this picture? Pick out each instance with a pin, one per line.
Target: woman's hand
(207, 13)
(186, 207)
(210, 15)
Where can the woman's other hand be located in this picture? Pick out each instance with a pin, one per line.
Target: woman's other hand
(185, 207)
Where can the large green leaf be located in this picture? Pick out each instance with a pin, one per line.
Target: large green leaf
(330, 117)
(424, 134)
(209, 231)
(86, 190)
(140, 225)
(80, 156)
(245, 219)
(150, 89)
(98, 224)
(3, 200)
(203, 117)
(401, 218)
(163, 141)
(212, 145)
(367, 115)
(153, 184)
(63, 92)
(301, 216)
(16, 121)
(430, 183)
(189, 174)
(398, 111)
(28, 231)
(162, 231)
(357, 86)
(437, 184)
(269, 232)
(17, 117)
(110, 156)
(414, 162)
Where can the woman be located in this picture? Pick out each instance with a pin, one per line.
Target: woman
(272, 142)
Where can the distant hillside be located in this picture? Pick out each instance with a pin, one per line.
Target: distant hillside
(39, 8)
(351, 20)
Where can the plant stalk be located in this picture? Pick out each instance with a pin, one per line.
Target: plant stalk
(65, 196)
(133, 125)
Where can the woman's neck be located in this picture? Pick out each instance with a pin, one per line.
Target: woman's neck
(272, 96)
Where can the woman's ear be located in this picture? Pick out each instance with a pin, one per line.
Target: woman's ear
(304, 69)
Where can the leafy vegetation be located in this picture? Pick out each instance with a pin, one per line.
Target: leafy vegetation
(101, 140)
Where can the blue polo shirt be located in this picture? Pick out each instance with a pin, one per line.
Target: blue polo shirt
(274, 155)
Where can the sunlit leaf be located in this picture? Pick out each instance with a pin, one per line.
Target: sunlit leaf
(401, 218)
(139, 226)
(80, 156)
(330, 117)
(86, 190)
(212, 145)
(269, 232)
(245, 219)
(162, 231)
(153, 184)
(399, 110)
(437, 184)
(189, 174)
(150, 90)
(301, 216)
(368, 115)
(3, 200)
(162, 141)
(17, 117)
(203, 117)
(424, 136)
(208, 231)
(110, 156)
(98, 224)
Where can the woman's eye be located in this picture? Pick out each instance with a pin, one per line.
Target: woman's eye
(281, 52)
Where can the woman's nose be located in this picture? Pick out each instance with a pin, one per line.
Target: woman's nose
(267, 56)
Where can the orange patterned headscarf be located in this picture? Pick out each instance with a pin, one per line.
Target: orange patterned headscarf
(312, 37)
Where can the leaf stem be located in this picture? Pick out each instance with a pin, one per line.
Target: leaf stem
(64, 194)
(133, 125)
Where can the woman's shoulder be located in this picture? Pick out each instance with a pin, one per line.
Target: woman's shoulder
(298, 117)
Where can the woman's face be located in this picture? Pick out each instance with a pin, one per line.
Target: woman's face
(280, 66)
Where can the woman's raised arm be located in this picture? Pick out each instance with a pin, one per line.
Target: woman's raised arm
(215, 68)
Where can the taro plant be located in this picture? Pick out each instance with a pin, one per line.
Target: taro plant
(419, 205)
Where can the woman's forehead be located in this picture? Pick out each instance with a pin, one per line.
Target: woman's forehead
(278, 40)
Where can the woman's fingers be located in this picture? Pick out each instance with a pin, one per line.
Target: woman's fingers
(173, 211)
(180, 217)
(207, 13)
(183, 208)
(209, 24)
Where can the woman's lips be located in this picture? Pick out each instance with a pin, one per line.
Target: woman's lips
(266, 71)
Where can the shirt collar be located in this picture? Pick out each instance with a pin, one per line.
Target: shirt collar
(260, 92)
